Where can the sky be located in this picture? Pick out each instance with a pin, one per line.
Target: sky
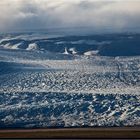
(94, 15)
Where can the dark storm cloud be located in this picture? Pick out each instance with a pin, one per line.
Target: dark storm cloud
(96, 15)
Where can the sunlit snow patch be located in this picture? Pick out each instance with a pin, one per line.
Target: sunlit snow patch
(73, 50)
(66, 51)
(89, 53)
(14, 47)
(32, 46)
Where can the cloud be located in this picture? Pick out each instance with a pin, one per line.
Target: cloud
(96, 15)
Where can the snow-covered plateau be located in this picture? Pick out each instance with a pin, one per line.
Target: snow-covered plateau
(40, 87)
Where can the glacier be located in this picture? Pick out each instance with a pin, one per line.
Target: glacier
(40, 87)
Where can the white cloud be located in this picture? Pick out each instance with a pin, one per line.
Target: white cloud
(96, 14)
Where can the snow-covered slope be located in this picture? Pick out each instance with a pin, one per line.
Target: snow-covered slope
(80, 74)
(53, 89)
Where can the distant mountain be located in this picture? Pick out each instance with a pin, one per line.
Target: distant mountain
(106, 44)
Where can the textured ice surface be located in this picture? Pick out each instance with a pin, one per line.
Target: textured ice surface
(47, 89)
(50, 109)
